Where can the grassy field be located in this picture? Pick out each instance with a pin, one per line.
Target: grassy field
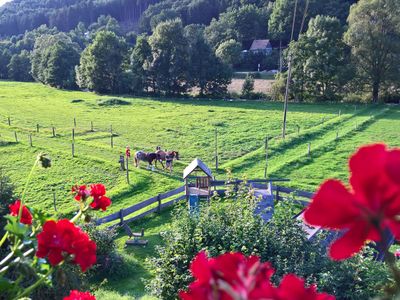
(186, 125)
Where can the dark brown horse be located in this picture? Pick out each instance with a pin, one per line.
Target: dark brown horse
(147, 157)
(161, 156)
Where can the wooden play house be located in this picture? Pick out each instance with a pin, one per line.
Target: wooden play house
(198, 179)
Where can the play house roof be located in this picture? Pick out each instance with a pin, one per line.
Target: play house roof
(196, 165)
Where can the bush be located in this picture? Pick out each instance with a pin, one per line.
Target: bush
(231, 225)
(112, 102)
(108, 262)
(6, 198)
(248, 86)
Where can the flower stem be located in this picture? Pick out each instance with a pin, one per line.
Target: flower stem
(4, 238)
(29, 289)
(28, 180)
(77, 216)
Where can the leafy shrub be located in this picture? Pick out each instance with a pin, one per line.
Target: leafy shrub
(6, 198)
(108, 262)
(248, 86)
(112, 102)
(230, 225)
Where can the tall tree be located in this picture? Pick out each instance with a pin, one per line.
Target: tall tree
(281, 20)
(101, 62)
(140, 62)
(171, 57)
(245, 23)
(321, 61)
(229, 51)
(54, 58)
(207, 71)
(19, 68)
(5, 56)
(374, 35)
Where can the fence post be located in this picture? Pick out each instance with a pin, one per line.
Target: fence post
(73, 135)
(54, 132)
(30, 140)
(159, 203)
(340, 112)
(266, 157)
(9, 121)
(111, 137)
(216, 149)
(37, 128)
(91, 126)
(298, 129)
(277, 193)
(73, 149)
(121, 216)
(54, 201)
(75, 122)
(16, 137)
(127, 170)
(337, 135)
(309, 149)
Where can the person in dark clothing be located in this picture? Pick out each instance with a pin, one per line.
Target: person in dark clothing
(122, 162)
(169, 158)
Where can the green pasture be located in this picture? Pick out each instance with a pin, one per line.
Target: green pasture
(185, 125)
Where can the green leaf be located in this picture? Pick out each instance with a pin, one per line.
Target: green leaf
(16, 228)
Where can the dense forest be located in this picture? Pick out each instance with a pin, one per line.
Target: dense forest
(335, 48)
(20, 15)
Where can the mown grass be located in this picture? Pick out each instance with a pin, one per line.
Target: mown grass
(186, 125)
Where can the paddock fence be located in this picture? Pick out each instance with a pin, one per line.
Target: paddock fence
(157, 203)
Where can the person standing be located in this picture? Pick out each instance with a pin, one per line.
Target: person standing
(169, 157)
(128, 152)
(122, 162)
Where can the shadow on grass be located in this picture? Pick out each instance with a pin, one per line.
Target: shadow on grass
(282, 145)
(304, 160)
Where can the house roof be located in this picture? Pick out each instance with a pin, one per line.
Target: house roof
(196, 165)
(260, 45)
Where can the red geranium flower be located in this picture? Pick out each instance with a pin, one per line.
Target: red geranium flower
(233, 276)
(100, 201)
(365, 211)
(81, 193)
(292, 288)
(26, 216)
(228, 276)
(77, 295)
(61, 239)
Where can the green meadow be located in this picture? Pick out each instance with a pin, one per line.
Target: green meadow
(186, 125)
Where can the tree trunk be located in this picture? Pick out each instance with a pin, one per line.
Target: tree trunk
(375, 91)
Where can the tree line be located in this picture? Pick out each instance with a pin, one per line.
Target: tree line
(331, 61)
(16, 17)
(336, 52)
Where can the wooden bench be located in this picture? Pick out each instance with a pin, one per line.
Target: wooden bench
(136, 241)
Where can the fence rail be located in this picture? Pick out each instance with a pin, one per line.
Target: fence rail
(256, 183)
(120, 215)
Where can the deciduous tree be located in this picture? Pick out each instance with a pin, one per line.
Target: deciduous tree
(374, 35)
(101, 62)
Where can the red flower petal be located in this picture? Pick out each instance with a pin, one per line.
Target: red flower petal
(351, 242)
(332, 206)
(393, 165)
(77, 295)
(61, 239)
(200, 268)
(26, 216)
(366, 167)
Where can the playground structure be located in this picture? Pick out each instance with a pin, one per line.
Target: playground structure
(198, 178)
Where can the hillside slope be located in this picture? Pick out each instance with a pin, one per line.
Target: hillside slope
(20, 15)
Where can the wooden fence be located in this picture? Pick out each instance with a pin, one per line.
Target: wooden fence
(147, 207)
(120, 215)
